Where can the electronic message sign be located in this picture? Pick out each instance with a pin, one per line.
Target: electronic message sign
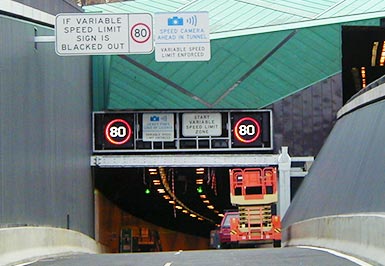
(113, 131)
(251, 129)
(178, 131)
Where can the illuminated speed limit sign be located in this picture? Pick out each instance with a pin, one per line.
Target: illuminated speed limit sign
(113, 131)
(118, 132)
(247, 130)
(252, 130)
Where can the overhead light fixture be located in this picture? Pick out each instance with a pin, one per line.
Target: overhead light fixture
(382, 57)
(363, 77)
(374, 53)
(200, 171)
(153, 171)
(161, 190)
(199, 181)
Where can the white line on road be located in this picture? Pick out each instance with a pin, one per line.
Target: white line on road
(341, 255)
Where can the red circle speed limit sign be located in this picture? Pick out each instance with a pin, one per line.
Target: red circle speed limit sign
(118, 132)
(247, 130)
(140, 32)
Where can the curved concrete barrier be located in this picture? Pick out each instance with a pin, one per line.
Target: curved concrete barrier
(359, 235)
(22, 244)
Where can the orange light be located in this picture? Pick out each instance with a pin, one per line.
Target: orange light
(382, 58)
(363, 76)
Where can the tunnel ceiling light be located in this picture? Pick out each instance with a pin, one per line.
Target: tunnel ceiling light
(174, 200)
(199, 181)
(211, 207)
(382, 57)
(161, 190)
(200, 170)
(153, 171)
(374, 53)
(363, 77)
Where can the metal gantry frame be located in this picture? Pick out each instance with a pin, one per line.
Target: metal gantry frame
(202, 143)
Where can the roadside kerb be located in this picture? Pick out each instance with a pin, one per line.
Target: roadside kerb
(359, 235)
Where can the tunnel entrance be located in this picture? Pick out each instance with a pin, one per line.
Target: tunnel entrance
(136, 196)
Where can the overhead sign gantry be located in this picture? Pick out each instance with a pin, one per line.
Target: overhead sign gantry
(177, 131)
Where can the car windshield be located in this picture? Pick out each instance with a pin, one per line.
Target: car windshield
(226, 222)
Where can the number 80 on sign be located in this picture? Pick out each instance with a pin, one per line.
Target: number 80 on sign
(141, 33)
(247, 130)
(118, 132)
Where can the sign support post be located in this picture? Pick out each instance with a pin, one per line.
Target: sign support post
(284, 166)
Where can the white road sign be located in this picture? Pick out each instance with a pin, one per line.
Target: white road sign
(98, 34)
(158, 127)
(201, 124)
(182, 36)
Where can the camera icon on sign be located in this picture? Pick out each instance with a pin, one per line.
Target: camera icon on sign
(175, 21)
(154, 118)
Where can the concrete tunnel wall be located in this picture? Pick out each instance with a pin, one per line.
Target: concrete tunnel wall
(340, 204)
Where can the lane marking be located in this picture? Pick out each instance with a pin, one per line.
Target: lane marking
(168, 264)
(339, 254)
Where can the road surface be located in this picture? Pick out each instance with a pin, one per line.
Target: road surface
(238, 257)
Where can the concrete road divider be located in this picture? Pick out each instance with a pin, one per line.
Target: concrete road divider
(23, 244)
(360, 235)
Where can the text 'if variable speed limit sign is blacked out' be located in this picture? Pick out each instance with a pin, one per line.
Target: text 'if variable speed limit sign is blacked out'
(98, 34)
